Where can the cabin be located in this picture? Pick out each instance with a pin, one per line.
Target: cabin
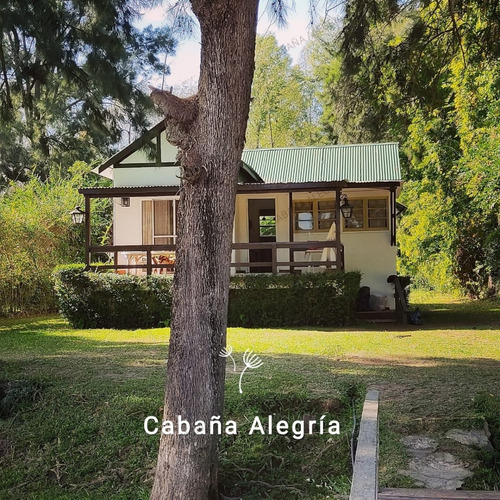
(298, 209)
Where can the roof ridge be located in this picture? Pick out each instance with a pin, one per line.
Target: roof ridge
(325, 146)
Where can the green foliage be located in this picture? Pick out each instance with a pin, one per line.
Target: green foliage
(36, 234)
(489, 406)
(428, 76)
(16, 395)
(109, 300)
(112, 379)
(70, 80)
(284, 111)
(98, 386)
(245, 459)
(424, 237)
(325, 299)
(493, 256)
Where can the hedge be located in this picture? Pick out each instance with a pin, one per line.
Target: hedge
(319, 299)
(109, 300)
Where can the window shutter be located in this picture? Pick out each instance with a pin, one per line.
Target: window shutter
(147, 222)
(163, 218)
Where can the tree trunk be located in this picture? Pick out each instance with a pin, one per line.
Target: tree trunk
(209, 129)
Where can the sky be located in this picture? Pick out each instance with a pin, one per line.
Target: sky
(184, 66)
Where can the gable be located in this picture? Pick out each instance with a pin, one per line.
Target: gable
(353, 163)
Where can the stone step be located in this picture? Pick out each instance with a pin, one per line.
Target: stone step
(415, 494)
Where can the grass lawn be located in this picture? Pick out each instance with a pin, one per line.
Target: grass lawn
(74, 426)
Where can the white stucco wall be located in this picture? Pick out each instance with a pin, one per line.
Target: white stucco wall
(371, 253)
(148, 176)
(127, 222)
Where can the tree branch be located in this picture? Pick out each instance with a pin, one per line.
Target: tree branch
(182, 111)
(180, 114)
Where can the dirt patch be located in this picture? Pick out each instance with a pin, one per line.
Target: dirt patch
(413, 362)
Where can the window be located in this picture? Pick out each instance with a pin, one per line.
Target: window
(267, 225)
(368, 214)
(159, 222)
(314, 215)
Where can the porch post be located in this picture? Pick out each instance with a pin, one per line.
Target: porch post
(87, 231)
(290, 227)
(339, 259)
(393, 216)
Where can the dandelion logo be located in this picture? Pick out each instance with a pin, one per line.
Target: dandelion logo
(250, 360)
(226, 353)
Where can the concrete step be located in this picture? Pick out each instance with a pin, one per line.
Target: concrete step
(387, 316)
(416, 494)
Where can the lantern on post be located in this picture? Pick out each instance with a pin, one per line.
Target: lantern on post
(346, 208)
(77, 215)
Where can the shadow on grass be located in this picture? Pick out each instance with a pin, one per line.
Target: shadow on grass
(460, 312)
(84, 435)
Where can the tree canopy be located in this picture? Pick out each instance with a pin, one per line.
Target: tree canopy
(70, 76)
(426, 75)
(284, 109)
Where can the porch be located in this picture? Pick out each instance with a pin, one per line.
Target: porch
(159, 259)
(290, 247)
(278, 228)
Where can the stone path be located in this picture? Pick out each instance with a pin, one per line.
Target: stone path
(438, 470)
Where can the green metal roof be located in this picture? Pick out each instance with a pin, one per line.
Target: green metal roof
(351, 162)
(355, 163)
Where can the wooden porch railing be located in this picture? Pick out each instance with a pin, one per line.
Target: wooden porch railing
(295, 246)
(148, 252)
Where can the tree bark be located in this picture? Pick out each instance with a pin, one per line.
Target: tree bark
(210, 137)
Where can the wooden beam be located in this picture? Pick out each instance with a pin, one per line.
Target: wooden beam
(87, 231)
(393, 216)
(132, 147)
(296, 245)
(338, 222)
(365, 476)
(291, 225)
(144, 164)
(118, 192)
(158, 149)
(316, 263)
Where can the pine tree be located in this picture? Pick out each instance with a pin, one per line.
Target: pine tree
(69, 80)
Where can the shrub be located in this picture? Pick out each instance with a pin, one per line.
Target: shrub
(487, 475)
(109, 300)
(319, 299)
(36, 234)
